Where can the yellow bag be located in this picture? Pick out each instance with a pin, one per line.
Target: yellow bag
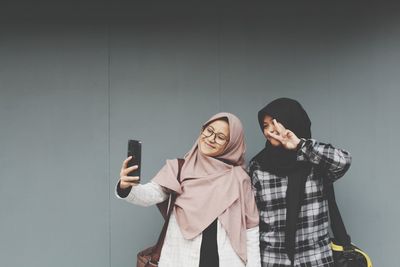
(345, 254)
(350, 256)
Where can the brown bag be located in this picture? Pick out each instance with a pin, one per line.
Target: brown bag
(150, 256)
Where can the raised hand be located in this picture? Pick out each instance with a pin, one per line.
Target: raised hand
(286, 137)
(125, 180)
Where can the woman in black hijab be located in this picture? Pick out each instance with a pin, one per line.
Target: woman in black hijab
(288, 176)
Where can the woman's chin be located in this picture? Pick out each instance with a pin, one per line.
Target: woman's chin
(205, 150)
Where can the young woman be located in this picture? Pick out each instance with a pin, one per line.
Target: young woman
(288, 176)
(215, 218)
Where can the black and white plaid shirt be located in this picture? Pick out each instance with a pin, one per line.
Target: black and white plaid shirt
(312, 236)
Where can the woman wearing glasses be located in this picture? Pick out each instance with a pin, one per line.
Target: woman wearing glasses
(215, 218)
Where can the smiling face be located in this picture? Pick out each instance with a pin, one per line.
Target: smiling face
(269, 127)
(214, 138)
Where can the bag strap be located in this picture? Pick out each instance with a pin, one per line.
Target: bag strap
(338, 229)
(155, 255)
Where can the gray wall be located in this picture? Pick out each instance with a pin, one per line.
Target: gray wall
(79, 79)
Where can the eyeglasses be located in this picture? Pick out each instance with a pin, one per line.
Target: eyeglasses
(219, 138)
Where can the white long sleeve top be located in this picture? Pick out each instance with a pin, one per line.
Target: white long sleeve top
(180, 252)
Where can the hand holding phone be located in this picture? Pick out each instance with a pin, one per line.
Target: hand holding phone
(130, 171)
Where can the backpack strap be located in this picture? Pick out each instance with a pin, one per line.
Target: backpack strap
(336, 222)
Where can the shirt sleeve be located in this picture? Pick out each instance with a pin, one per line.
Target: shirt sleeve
(122, 193)
(255, 182)
(333, 162)
(253, 247)
(144, 195)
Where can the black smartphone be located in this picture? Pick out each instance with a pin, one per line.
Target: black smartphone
(135, 150)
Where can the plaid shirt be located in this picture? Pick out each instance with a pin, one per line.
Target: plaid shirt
(312, 236)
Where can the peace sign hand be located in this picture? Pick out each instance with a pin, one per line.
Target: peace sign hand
(286, 137)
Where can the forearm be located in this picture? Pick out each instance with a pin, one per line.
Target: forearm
(144, 195)
(333, 161)
(253, 247)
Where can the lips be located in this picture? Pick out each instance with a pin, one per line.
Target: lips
(209, 145)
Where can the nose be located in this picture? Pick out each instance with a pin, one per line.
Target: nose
(269, 129)
(212, 138)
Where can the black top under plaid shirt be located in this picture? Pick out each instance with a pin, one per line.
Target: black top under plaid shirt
(312, 236)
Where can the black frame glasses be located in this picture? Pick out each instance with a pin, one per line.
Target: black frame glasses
(219, 138)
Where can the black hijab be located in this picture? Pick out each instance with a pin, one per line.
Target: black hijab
(283, 162)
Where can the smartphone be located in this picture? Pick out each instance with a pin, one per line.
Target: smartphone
(135, 150)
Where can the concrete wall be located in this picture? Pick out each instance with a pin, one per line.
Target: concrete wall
(78, 79)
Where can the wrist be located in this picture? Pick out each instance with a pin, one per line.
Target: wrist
(123, 192)
(299, 144)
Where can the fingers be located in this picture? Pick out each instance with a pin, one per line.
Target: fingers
(126, 171)
(125, 162)
(285, 133)
(277, 137)
(279, 127)
(130, 179)
(280, 131)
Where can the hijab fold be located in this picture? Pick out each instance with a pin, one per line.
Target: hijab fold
(211, 188)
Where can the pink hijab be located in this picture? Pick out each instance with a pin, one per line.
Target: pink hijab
(211, 188)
